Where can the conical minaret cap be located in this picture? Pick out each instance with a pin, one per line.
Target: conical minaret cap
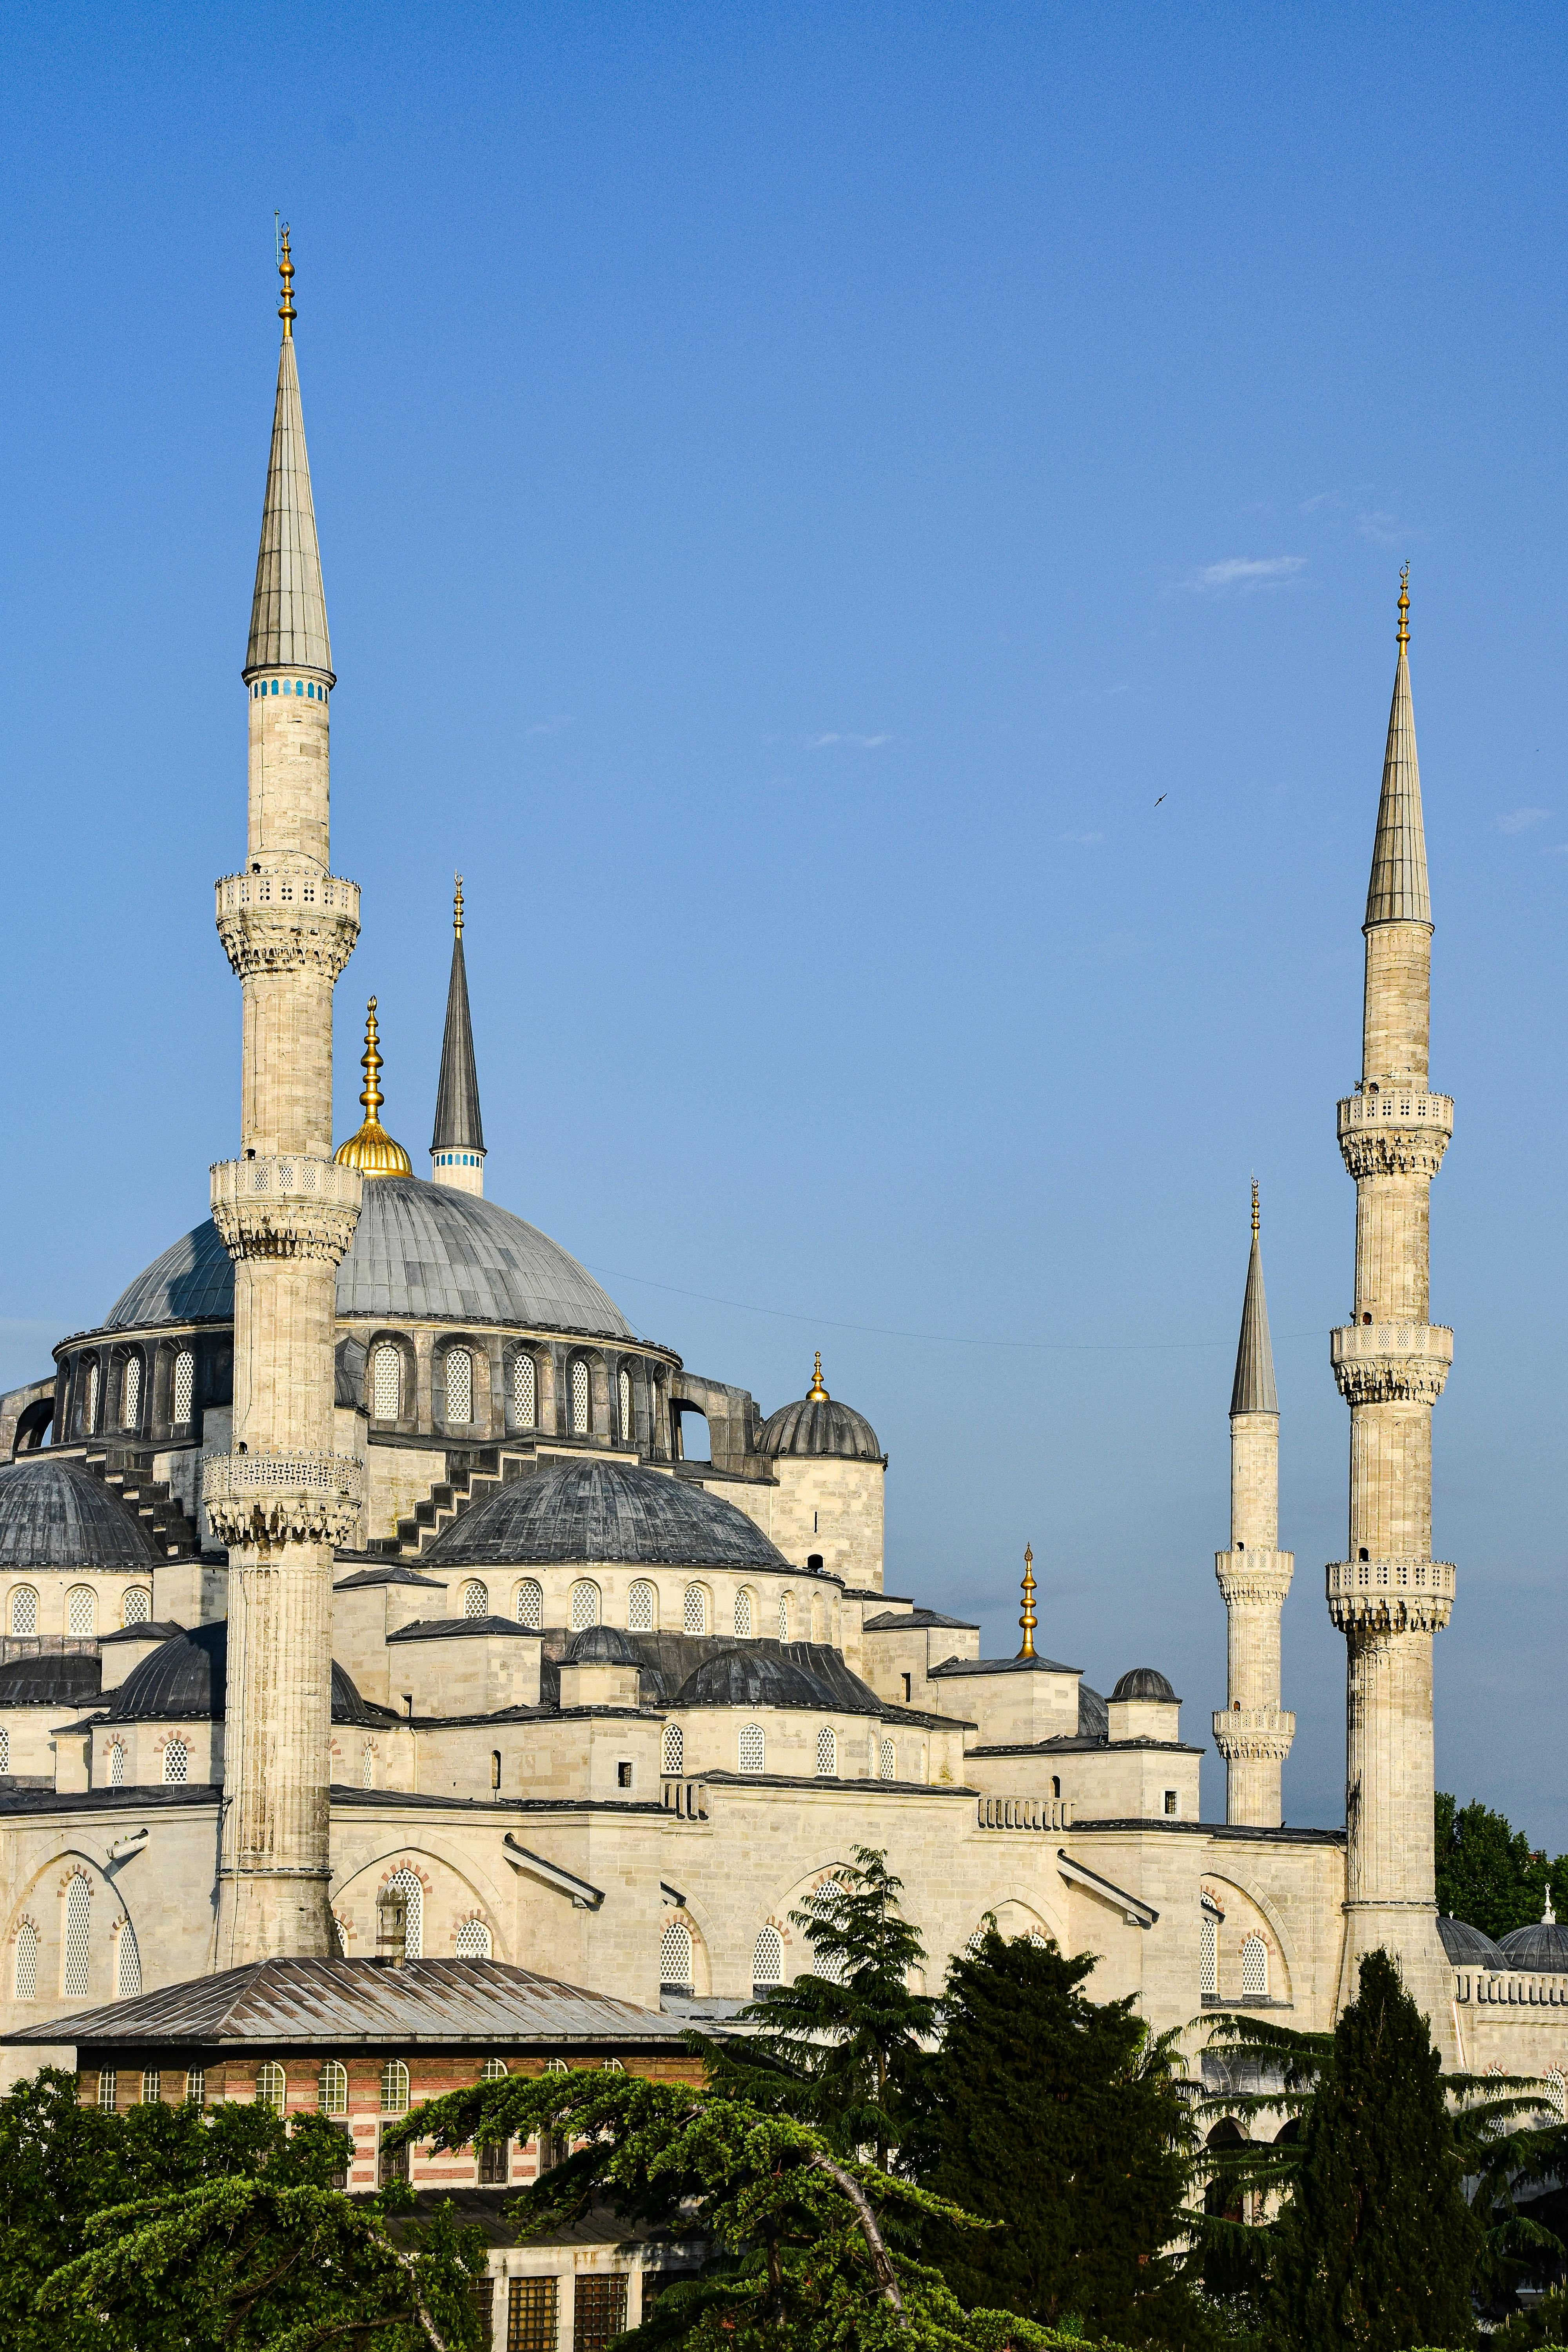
(1397, 892)
(288, 610)
(1253, 1389)
(458, 1122)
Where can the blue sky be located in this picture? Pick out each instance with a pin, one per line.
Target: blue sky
(796, 485)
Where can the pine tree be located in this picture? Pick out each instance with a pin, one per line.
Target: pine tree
(1376, 2247)
(1054, 2116)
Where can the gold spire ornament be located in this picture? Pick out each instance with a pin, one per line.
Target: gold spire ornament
(1027, 1620)
(817, 1393)
(372, 1151)
(286, 271)
(457, 907)
(1405, 608)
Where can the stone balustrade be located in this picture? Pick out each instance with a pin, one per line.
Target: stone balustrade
(1400, 1594)
(264, 1499)
(1040, 1813)
(1517, 1989)
(288, 1204)
(319, 893)
(287, 921)
(687, 1800)
(1391, 1363)
(1249, 1732)
(1394, 1132)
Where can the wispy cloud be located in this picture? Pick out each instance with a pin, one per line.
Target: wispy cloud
(1084, 840)
(1384, 529)
(860, 742)
(1245, 573)
(1520, 820)
(551, 726)
(1323, 498)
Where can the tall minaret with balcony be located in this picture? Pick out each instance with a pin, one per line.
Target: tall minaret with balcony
(283, 1499)
(1253, 1734)
(1388, 1596)
(458, 1145)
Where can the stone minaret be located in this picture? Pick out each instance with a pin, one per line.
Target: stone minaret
(1253, 1734)
(458, 1145)
(1389, 1597)
(284, 1498)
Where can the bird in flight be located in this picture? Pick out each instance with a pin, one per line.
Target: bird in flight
(1157, 803)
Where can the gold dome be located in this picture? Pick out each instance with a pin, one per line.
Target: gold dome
(372, 1151)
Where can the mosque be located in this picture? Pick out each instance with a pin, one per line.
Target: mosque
(360, 1603)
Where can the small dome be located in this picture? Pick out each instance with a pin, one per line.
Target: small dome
(819, 1425)
(186, 1676)
(749, 1678)
(593, 1511)
(54, 1515)
(55, 1679)
(1467, 1947)
(1145, 1682)
(603, 1645)
(1542, 1945)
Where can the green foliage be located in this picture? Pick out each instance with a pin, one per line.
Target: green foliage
(1543, 2328)
(1486, 1871)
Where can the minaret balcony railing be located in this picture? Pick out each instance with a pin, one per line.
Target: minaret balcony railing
(1254, 1734)
(287, 919)
(1394, 1132)
(263, 1500)
(288, 1204)
(1398, 1594)
(1254, 1579)
(293, 890)
(1391, 1363)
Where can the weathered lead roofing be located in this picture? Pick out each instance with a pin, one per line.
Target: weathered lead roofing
(820, 1426)
(186, 1676)
(1397, 892)
(1145, 1682)
(1469, 1947)
(1253, 1389)
(458, 1122)
(594, 1510)
(1542, 1945)
(54, 1515)
(288, 610)
(893, 1621)
(283, 2003)
(55, 1679)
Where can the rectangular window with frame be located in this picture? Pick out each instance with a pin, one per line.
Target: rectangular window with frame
(392, 2163)
(531, 2316)
(600, 2312)
(495, 2169)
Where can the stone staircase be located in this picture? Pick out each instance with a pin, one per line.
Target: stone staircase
(128, 1475)
(471, 1477)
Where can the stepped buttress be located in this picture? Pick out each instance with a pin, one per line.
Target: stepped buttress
(283, 1499)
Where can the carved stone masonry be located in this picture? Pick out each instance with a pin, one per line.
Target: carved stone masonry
(258, 1501)
(1394, 1134)
(258, 941)
(1391, 1363)
(290, 1205)
(1390, 1596)
(1254, 1579)
(1248, 1734)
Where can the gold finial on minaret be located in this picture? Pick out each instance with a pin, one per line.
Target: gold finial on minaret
(372, 1151)
(457, 907)
(286, 271)
(1027, 1619)
(1405, 608)
(1255, 1208)
(817, 1393)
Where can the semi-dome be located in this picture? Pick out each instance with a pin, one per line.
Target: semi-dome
(1542, 1945)
(1467, 1947)
(603, 1645)
(749, 1678)
(594, 1510)
(186, 1676)
(419, 1251)
(1145, 1682)
(58, 1678)
(54, 1515)
(818, 1424)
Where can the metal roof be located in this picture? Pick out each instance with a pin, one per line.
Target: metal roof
(1253, 1389)
(458, 1121)
(593, 1511)
(54, 1514)
(289, 609)
(1398, 892)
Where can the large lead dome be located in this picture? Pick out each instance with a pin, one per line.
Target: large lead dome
(419, 1250)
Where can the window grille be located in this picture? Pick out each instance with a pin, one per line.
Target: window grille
(81, 1610)
(890, 1760)
(78, 1902)
(1556, 2089)
(524, 1392)
(673, 1756)
(743, 1613)
(184, 1389)
(584, 1606)
(751, 1747)
(476, 1598)
(767, 1960)
(5, 1748)
(116, 1764)
(404, 1885)
(824, 1900)
(623, 1393)
(130, 1399)
(495, 2070)
(531, 2324)
(340, 1930)
(127, 1964)
(642, 1609)
(675, 1959)
(600, 2312)
(152, 2087)
(394, 2088)
(26, 1961)
(90, 1416)
(579, 1399)
(826, 1754)
(367, 1765)
(1254, 1969)
(694, 1610)
(197, 2086)
(271, 2085)
(24, 1610)
(176, 1764)
(107, 2088)
(1209, 1966)
(459, 1384)
(136, 1607)
(531, 1605)
(386, 1382)
(783, 1617)
(332, 2090)
(473, 1942)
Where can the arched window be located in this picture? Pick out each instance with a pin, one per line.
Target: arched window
(386, 1382)
(1208, 1960)
(826, 1753)
(79, 1911)
(197, 2086)
(694, 1610)
(495, 1768)
(394, 2088)
(5, 1748)
(1254, 1969)
(332, 2089)
(24, 1610)
(579, 1398)
(90, 1417)
(271, 2085)
(152, 2087)
(624, 1397)
(130, 1392)
(177, 1763)
(81, 1610)
(675, 1959)
(459, 1366)
(404, 1883)
(136, 1605)
(494, 2070)
(473, 1941)
(1056, 1784)
(745, 1612)
(672, 1754)
(753, 1748)
(531, 1605)
(584, 1605)
(367, 1765)
(182, 1395)
(523, 1401)
(117, 1764)
(1556, 2090)
(825, 1899)
(642, 1607)
(785, 1617)
(890, 1760)
(476, 1598)
(26, 1974)
(127, 1964)
(767, 1960)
